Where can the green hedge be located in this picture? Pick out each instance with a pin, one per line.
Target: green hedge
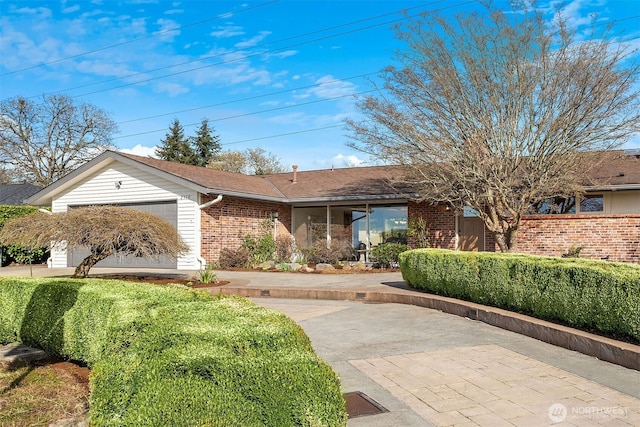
(13, 253)
(170, 356)
(596, 295)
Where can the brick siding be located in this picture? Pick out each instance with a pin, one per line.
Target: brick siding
(615, 237)
(441, 223)
(224, 224)
(604, 236)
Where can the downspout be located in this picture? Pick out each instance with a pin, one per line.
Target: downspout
(202, 261)
(211, 202)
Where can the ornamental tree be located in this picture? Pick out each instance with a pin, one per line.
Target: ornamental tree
(105, 230)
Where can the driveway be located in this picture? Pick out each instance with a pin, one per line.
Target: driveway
(430, 368)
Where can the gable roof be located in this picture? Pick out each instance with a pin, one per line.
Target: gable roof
(16, 194)
(374, 183)
(370, 183)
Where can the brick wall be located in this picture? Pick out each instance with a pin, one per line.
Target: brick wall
(225, 223)
(441, 223)
(615, 237)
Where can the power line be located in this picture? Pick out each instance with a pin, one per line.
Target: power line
(269, 110)
(249, 98)
(128, 76)
(156, 34)
(283, 134)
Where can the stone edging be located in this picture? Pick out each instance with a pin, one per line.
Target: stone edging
(618, 352)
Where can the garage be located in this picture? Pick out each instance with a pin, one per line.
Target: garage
(167, 210)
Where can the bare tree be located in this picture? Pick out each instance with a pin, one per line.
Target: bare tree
(253, 161)
(501, 110)
(106, 230)
(44, 141)
(230, 161)
(261, 162)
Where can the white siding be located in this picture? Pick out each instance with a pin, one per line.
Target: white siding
(136, 186)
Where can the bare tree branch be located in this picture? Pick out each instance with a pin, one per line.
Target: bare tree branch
(500, 110)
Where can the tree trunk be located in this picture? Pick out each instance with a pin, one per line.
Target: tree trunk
(82, 270)
(507, 240)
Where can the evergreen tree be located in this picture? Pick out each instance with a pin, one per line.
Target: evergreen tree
(175, 147)
(205, 144)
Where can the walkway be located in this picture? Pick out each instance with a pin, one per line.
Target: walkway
(429, 368)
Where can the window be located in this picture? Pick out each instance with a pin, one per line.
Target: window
(554, 206)
(592, 203)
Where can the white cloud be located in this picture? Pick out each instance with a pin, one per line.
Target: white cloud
(253, 40)
(350, 161)
(71, 9)
(173, 89)
(328, 87)
(42, 11)
(226, 31)
(140, 150)
(168, 29)
(174, 12)
(280, 55)
(579, 12)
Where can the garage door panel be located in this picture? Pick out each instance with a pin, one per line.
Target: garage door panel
(165, 210)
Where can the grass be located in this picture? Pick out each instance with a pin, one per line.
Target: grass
(42, 392)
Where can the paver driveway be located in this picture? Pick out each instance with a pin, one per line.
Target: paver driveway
(431, 368)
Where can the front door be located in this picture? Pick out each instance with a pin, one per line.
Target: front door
(471, 231)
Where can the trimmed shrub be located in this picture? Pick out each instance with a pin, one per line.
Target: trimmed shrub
(387, 253)
(15, 253)
(593, 295)
(172, 356)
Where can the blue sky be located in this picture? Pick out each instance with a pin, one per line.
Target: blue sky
(280, 75)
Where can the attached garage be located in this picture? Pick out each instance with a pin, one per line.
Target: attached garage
(167, 210)
(117, 180)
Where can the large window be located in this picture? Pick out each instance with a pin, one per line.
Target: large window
(356, 224)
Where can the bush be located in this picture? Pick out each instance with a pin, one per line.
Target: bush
(284, 249)
(172, 356)
(230, 258)
(320, 253)
(596, 295)
(387, 253)
(23, 255)
(15, 253)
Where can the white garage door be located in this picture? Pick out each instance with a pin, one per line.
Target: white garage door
(166, 210)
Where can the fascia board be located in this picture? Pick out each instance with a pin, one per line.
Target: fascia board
(619, 187)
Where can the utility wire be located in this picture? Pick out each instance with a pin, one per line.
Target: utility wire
(249, 98)
(283, 134)
(269, 110)
(260, 53)
(251, 55)
(156, 34)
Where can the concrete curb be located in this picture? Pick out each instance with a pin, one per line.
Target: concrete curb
(617, 352)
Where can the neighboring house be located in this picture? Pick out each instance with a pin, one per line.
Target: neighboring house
(213, 209)
(15, 194)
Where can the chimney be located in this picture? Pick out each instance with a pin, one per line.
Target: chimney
(295, 173)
